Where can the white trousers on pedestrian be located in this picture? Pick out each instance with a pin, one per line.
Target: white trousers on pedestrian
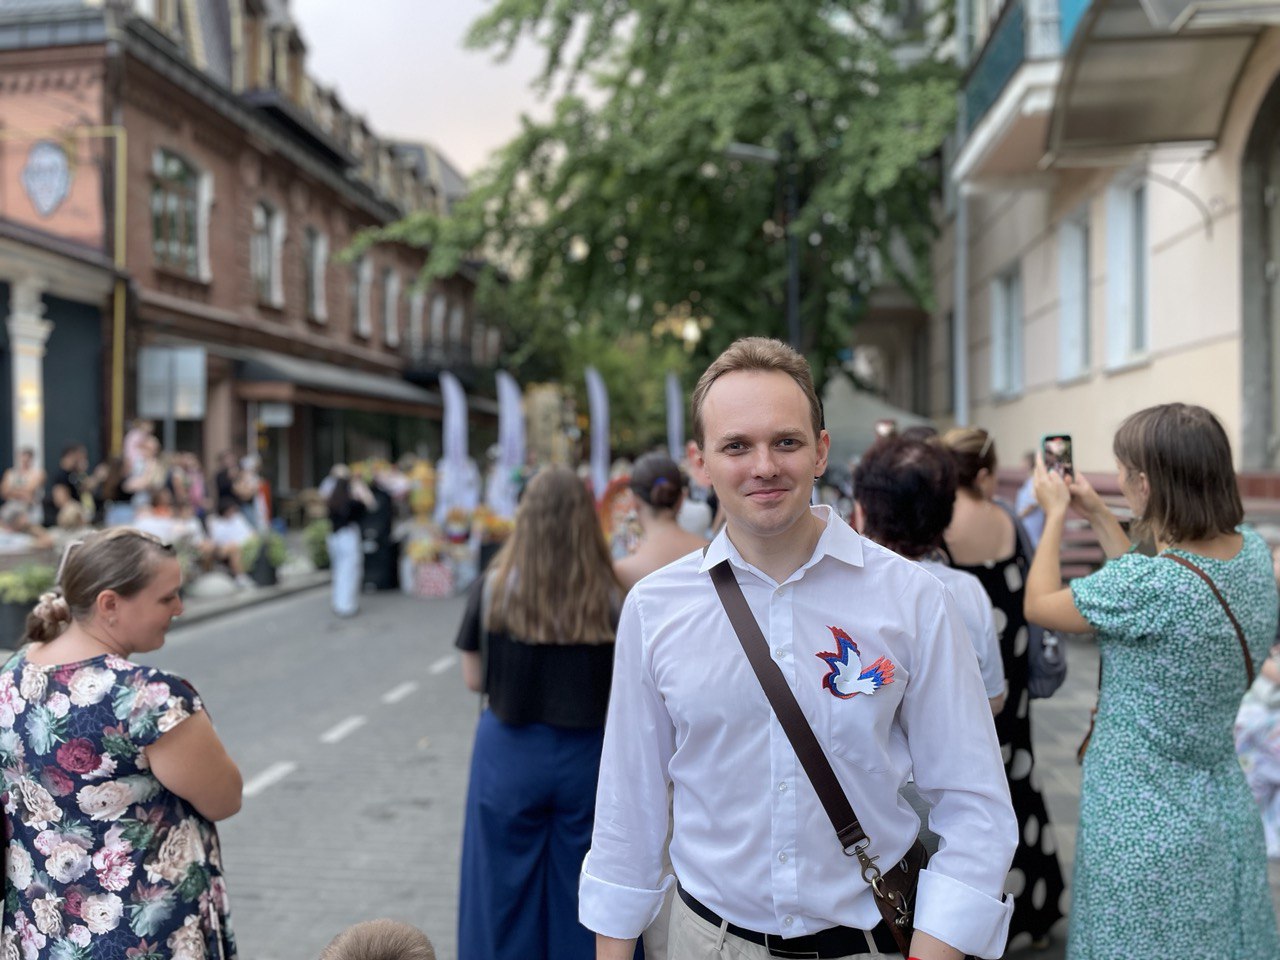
(346, 563)
(692, 938)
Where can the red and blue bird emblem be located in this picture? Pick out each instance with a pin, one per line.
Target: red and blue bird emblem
(847, 678)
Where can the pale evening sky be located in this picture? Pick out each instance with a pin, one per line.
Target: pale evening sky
(402, 64)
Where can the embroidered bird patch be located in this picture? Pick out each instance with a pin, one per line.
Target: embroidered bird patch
(847, 679)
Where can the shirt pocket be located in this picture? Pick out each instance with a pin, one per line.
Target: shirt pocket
(861, 728)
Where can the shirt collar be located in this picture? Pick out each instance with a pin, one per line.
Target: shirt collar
(838, 541)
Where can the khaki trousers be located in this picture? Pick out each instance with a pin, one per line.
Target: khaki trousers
(692, 938)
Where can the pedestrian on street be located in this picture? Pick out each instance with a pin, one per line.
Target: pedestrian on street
(348, 500)
(537, 640)
(758, 868)
(1170, 857)
(113, 774)
(983, 540)
(658, 486)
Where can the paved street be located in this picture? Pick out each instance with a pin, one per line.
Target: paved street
(354, 737)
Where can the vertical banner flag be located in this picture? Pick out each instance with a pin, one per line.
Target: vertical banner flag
(502, 489)
(675, 418)
(598, 405)
(457, 484)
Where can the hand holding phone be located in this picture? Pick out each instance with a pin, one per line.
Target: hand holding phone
(1056, 450)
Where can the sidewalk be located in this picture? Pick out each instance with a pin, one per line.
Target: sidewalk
(196, 609)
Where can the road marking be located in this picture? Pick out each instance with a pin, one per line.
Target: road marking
(396, 694)
(269, 777)
(443, 664)
(342, 729)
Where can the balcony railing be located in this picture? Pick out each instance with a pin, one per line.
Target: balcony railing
(1026, 30)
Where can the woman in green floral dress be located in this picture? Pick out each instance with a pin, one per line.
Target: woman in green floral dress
(1170, 858)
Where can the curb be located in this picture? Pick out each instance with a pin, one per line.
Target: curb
(199, 610)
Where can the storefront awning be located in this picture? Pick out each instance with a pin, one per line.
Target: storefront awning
(1149, 72)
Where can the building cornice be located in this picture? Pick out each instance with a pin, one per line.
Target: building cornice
(153, 50)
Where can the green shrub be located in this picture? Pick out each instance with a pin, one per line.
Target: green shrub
(277, 552)
(315, 539)
(25, 582)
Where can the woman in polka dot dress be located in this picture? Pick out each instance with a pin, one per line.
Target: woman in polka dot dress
(982, 540)
(1170, 858)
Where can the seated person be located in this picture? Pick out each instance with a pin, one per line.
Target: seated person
(18, 533)
(229, 530)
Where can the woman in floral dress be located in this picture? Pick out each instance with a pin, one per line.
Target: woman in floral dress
(112, 772)
(1170, 859)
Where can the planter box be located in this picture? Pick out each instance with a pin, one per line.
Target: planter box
(13, 621)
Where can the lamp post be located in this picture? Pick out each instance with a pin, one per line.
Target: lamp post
(753, 153)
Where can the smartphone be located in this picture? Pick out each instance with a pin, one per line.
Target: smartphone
(1056, 449)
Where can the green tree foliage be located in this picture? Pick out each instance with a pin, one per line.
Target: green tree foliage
(629, 217)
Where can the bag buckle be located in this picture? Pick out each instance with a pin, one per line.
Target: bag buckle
(870, 872)
(777, 947)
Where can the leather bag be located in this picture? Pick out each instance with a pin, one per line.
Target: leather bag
(894, 887)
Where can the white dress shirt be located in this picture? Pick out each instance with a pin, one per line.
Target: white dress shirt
(975, 609)
(751, 839)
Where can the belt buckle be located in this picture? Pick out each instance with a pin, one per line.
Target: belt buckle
(782, 953)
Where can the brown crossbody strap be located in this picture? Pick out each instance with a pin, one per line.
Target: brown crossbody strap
(794, 725)
(1244, 645)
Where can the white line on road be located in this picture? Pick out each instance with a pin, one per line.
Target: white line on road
(396, 694)
(269, 777)
(443, 664)
(342, 729)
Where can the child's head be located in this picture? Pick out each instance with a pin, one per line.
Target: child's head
(379, 940)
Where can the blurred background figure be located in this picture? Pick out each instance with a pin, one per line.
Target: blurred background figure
(348, 499)
(1161, 781)
(537, 640)
(114, 773)
(379, 940)
(658, 486)
(1025, 505)
(983, 540)
(23, 483)
(905, 492)
(230, 531)
(66, 483)
(17, 533)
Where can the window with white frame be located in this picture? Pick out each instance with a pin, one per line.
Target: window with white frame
(361, 284)
(1073, 297)
(315, 263)
(390, 308)
(1127, 259)
(457, 320)
(265, 249)
(417, 306)
(439, 310)
(181, 197)
(1006, 333)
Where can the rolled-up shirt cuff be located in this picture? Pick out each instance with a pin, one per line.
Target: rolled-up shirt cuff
(959, 915)
(614, 910)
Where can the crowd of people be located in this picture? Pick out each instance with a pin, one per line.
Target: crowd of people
(668, 738)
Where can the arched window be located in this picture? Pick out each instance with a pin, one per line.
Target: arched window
(176, 220)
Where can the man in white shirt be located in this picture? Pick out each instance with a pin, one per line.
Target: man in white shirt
(758, 862)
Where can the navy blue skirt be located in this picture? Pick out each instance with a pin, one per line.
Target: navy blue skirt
(530, 805)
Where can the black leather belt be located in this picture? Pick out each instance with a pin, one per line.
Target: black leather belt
(826, 944)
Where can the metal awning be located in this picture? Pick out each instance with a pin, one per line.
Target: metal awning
(265, 365)
(1150, 72)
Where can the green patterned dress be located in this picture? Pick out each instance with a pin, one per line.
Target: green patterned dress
(1170, 859)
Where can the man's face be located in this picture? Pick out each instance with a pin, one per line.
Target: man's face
(759, 451)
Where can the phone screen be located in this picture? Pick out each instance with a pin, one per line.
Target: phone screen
(1056, 448)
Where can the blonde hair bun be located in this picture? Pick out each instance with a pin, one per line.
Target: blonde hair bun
(52, 608)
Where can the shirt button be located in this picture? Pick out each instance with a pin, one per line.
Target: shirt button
(780, 652)
(787, 921)
(782, 858)
(782, 787)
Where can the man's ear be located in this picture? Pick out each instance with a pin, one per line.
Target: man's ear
(697, 463)
(824, 451)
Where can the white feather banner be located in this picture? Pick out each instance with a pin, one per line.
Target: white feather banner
(598, 405)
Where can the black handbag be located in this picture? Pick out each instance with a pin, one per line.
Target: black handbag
(894, 887)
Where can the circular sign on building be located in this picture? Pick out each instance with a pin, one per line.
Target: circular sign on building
(46, 177)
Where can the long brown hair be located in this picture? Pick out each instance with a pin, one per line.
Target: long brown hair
(553, 581)
(1186, 456)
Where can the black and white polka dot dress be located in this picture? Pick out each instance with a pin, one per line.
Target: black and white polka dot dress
(1035, 879)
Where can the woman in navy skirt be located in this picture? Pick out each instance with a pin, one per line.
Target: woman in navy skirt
(537, 640)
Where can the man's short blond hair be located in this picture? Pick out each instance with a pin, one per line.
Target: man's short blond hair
(380, 940)
(757, 353)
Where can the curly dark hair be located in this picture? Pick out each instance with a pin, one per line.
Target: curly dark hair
(906, 489)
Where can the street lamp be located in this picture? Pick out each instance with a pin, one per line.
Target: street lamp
(753, 153)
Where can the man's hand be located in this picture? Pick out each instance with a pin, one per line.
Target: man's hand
(607, 948)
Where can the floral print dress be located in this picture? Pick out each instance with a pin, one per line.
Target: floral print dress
(103, 861)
